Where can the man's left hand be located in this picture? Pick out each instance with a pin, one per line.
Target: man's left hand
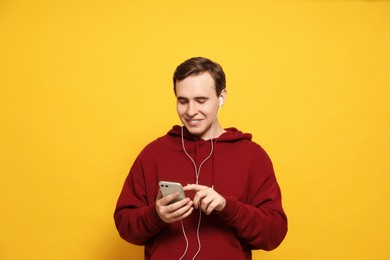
(206, 198)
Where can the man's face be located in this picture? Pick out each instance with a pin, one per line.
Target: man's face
(197, 104)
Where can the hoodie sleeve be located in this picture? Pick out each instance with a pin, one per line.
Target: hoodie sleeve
(262, 223)
(135, 215)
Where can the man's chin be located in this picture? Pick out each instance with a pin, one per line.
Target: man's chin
(194, 130)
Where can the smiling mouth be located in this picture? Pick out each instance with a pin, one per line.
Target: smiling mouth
(193, 121)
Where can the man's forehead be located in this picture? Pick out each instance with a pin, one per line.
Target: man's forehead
(196, 86)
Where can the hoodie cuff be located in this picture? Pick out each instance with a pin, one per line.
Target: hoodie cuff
(229, 210)
(153, 218)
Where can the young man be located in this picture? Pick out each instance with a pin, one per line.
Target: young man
(233, 202)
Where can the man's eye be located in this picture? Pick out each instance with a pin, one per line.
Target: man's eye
(202, 101)
(182, 102)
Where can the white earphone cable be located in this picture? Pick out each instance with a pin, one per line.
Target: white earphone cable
(185, 237)
(197, 173)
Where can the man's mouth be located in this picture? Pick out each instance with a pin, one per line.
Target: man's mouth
(193, 121)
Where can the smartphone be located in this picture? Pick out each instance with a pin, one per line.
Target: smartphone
(168, 187)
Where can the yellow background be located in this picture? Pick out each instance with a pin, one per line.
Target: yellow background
(86, 84)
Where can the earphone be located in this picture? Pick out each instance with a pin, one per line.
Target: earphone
(220, 101)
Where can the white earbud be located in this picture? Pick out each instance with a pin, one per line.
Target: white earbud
(220, 101)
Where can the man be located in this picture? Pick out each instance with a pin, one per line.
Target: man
(233, 202)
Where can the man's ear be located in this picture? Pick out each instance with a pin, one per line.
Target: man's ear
(222, 97)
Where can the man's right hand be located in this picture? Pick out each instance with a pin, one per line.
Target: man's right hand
(170, 213)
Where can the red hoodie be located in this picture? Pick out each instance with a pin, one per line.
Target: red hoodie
(239, 169)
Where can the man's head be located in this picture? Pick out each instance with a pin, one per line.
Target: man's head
(198, 65)
(199, 86)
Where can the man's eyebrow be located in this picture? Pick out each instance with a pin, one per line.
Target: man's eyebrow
(196, 98)
(201, 98)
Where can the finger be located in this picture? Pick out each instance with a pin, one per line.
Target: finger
(184, 215)
(194, 187)
(166, 199)
(189, 211)
(211, 207)
(206, 203)
(174, 211)
(199, 197)
(180, 212)
(172, 208)
(208, 199)
(217, 204)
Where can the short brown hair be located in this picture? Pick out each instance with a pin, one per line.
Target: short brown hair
(198, 65)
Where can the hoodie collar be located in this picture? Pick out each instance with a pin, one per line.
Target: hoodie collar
(231, 134)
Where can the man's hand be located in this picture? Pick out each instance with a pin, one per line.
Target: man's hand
(206, 198)
(170, 213)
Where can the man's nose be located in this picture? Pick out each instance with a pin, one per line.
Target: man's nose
(192, 109)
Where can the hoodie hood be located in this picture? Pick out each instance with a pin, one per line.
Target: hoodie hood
(194, 147)
(232, 134)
